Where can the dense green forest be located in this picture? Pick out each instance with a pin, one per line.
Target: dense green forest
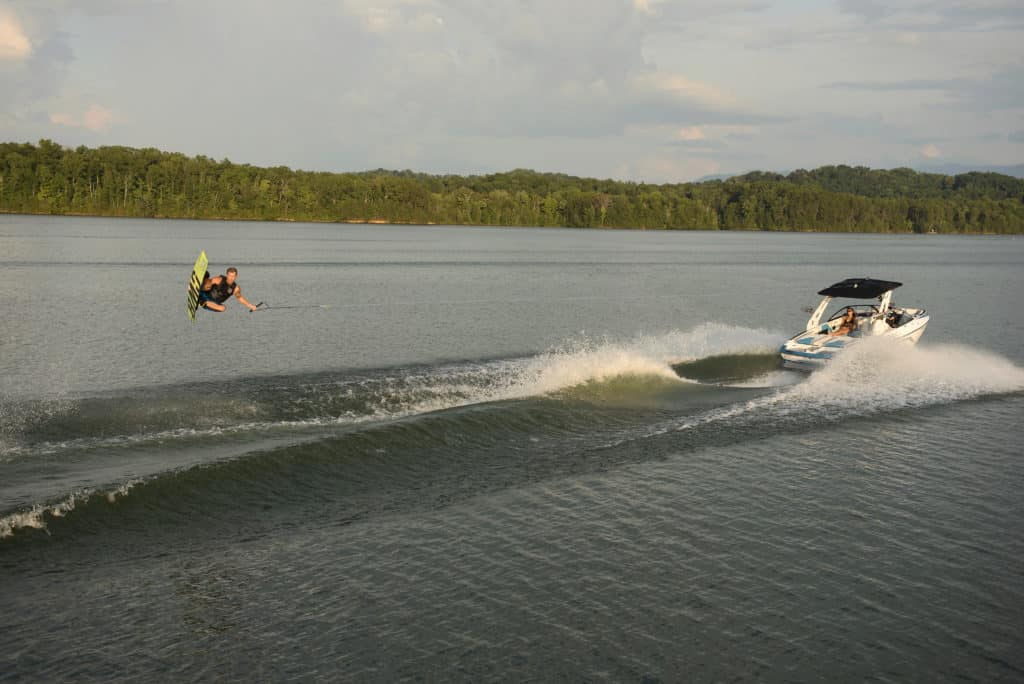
(123, 181)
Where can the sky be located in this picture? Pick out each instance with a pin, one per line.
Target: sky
(643, 90)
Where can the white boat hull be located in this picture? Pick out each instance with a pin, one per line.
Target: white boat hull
(808, 351)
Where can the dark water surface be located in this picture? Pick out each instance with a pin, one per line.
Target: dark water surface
(502, 454)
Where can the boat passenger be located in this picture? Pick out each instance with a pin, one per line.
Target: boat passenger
(849, 323)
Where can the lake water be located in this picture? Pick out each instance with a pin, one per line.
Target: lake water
(502, 454)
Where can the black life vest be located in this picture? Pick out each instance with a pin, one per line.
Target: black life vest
(219, 292)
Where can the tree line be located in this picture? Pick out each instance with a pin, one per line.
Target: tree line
(124, 181)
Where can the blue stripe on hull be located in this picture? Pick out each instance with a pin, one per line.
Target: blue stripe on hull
(806, 355)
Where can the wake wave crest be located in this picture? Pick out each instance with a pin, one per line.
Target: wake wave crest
(35, 517)
(326, 401)
(299, 405)
(583, 361)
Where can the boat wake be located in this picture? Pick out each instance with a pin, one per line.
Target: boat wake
(876, 377)
(189, 413)
(715, 381)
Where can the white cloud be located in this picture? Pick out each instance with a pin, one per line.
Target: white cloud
(870, 10)
(64, 119)
(686, 88)
(96, 118)
(690, 133)
(14, 43)
(380, 19)
(427, 22)
(931, 151)
(712, 132)
(385, 17)
(643, 6)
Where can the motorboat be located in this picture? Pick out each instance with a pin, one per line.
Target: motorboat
(819, 342)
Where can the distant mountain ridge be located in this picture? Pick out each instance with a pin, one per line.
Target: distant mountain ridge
(1015, 171)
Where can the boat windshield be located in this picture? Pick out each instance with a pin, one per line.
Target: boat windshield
(862, 311)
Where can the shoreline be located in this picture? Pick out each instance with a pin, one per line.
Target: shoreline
(79, 214)
(387, 222)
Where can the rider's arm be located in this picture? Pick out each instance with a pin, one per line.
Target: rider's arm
(238, 293)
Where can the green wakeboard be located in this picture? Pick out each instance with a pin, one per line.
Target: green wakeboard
(194, 283)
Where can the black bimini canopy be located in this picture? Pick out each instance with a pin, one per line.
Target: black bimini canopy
(860, 288)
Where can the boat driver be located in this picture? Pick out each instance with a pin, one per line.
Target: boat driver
(849, 323)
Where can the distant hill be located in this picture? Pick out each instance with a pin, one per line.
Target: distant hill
(715, 177)
(1016, 171)
(943, 169)
(893, 183)
(125, 181)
